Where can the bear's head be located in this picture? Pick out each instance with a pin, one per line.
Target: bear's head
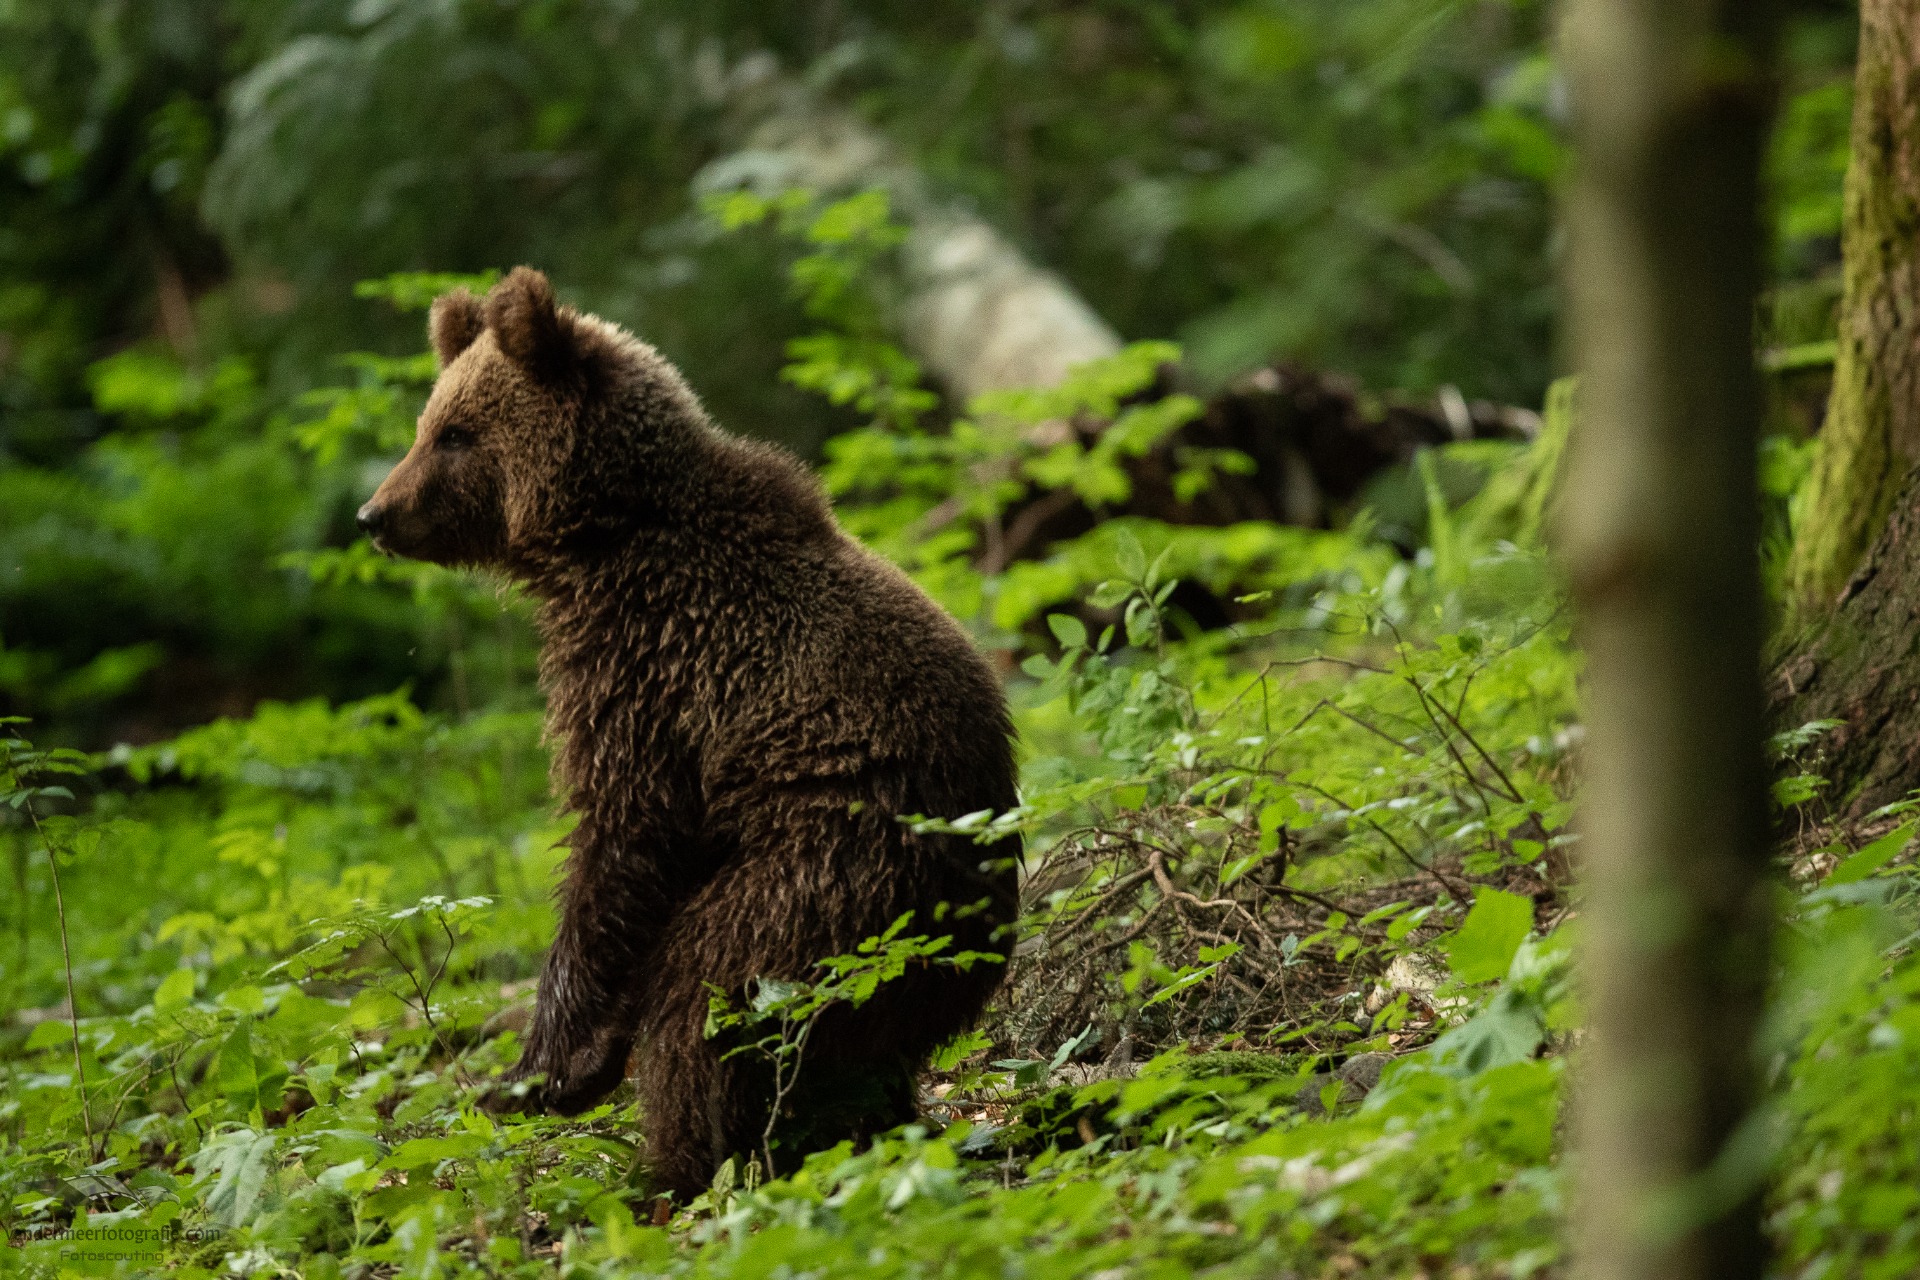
(544, 427)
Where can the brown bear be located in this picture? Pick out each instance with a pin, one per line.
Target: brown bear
(745, 702)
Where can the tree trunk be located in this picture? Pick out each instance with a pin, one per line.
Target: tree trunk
(1872, 433)
(1659, 529)
(977, 313)
(1857, 659)
(1861, 665)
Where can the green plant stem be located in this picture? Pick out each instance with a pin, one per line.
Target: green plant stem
(73, 1005)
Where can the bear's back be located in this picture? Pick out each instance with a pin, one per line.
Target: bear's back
(839, 644)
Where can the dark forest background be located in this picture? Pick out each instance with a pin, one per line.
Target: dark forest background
(191, 190)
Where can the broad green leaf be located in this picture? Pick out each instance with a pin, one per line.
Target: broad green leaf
(174, 991)
(240, 1164)
(249, 1080)
(1508, 1030)
(47, 1034)
(1068, 630)
(1875, 856)
(422, 1151)
(1406, 924)
(1483, 947)
(1797, 790)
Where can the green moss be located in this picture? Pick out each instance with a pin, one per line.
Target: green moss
(1240, 1062)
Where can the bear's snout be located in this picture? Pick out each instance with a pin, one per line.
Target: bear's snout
(434, 509)
(394, 526)
(381, 522)
(372, 519)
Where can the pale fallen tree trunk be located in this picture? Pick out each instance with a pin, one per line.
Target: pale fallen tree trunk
(982, 317)
(977, 313)
(1672, 99)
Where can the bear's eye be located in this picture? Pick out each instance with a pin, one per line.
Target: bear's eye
(454, 438)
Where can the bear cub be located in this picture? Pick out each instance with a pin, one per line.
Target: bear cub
(743, 701)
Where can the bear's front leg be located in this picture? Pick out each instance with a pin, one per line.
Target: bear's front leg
(590, 990)
(576, 1050)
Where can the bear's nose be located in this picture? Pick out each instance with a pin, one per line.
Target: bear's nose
(371, 518)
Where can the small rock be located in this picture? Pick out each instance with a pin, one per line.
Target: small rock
(1356, 1078)
(62, 1012)
(515, 1018)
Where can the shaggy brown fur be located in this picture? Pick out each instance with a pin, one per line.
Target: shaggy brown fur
(744, 700)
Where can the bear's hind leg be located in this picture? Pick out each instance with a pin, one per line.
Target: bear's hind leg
(818, 881)
(700, 1107)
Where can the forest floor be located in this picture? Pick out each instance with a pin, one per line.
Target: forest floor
(1291, 996)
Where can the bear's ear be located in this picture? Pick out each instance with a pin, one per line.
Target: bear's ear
(529, 328)
(453, 324)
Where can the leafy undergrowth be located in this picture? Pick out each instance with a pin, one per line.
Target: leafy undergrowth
(1291, 994)
(1285, 998)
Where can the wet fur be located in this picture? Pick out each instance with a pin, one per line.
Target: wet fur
(742, 698)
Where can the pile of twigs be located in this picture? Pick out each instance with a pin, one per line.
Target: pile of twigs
(1267, 964)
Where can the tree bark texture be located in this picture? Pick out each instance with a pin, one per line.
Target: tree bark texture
(978, 313)
(1871, 437)
(1659, 529)
(1860, 664)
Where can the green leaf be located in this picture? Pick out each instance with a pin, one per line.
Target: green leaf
(48, 1034)
(1038, 665)
(233, 1070)
(416, 290)
(1068, 630)
(1193, 976)
(174, 991)
(959, 1049)
(240, 1164)
(1782, 744)
(1797, 790)
(1407, 923)
(1874, 856)
(421, 1151)
(1378, 914)
(249, 1080)
(1141, 626)
(1483, 947)
(1508, 1030)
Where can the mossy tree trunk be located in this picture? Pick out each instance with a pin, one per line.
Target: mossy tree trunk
(1860, 665)
(1853, 654)
(1659, 526)
(1872, 433)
